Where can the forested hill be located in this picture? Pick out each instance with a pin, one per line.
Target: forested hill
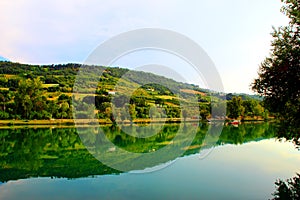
(46, 91)
(64, 75)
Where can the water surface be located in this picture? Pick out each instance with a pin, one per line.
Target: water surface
(52, 163)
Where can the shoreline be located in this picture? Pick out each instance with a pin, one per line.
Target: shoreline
(83, 122)
(87, 121)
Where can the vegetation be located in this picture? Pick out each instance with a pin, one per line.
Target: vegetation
(29, 92)
(288, 190)
(279, 83)
(279, 74)
(237, 107)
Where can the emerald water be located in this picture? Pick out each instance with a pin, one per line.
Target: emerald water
(56, 163)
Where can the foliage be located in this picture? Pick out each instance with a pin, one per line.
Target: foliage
(29, 98)
(234, 107)
(279, 74)
(54, 100)
(279, 83)
(204, 111)
(288, 190)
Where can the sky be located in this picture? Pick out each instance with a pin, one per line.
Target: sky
(235, 34)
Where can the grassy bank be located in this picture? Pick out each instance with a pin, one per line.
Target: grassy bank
(88, 121)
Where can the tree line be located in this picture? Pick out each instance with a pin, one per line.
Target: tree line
(30, 101)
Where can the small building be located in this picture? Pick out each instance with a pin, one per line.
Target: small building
(112, 92)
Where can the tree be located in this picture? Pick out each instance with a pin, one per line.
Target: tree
(235, 108)
(289, 189)
(279, 74)
(204, 111)
(29, 97)
(64, 107)
(249, 106)
(3, 101)
(258, 110)
(53, 109)
(279, 83)
(132, 111)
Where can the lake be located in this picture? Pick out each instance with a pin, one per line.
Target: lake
(60, 163)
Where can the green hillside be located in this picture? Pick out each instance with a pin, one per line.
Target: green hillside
(46, 92)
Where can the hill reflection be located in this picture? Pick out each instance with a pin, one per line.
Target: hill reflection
(59, 152)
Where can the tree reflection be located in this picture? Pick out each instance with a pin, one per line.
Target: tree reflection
(59, 152)
(246, 133)
(289, 189)
(45, 152)
(288, 132)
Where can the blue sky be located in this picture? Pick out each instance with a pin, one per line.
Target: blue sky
(234, 33)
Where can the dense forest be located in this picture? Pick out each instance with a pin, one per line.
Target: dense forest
(46, 92)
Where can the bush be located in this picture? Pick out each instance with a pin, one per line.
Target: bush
(4, 115)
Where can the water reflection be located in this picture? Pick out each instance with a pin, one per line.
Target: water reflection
(59, 152)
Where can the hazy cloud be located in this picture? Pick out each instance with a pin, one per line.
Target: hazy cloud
(235, 34)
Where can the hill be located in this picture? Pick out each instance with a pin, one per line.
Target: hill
(46, 92)
(57, 81)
